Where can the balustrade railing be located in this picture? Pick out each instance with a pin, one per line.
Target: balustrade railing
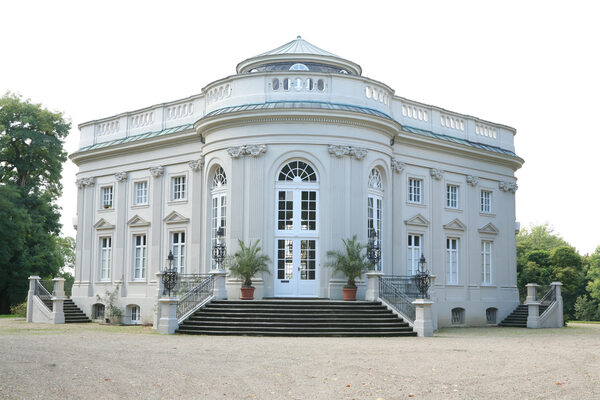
(399, 292)
(549, 297)
(192, 290)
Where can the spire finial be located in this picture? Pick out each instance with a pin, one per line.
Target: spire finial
(298, 37)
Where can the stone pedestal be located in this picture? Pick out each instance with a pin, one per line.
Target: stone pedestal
(372, 293)
(167, 310)
(559, 301)
(219, 286)
(533, 317)
(423, 324)
(58, 314)
(531, 292)
(32, 282)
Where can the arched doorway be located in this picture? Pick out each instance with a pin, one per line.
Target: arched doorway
(296, 231)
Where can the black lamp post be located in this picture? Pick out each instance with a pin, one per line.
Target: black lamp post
(169, 275)
(422, 278)
(219, 250)
(373, 249)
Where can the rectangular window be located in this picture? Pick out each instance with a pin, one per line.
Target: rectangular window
(486, 262)
(308, 218)
(285, 210)
(415, 190)
(219, 218)
(178, 188)
(135, 315)
(451, 196)
(139, 257)
(486, 201)
(140, 193)
(178, 249)
(106, 196)
(452, 261)
(105, 258)
(415, 250)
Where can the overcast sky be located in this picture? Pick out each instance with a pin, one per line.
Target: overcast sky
(527, 64)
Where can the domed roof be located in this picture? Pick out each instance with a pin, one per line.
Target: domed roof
(299, 51)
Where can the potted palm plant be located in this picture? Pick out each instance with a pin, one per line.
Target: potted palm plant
(245, 263)
(352, 262)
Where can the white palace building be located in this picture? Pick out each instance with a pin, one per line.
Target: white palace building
(300, 150)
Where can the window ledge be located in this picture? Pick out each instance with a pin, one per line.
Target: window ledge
(137, 281)
(487, 214)
(145, 205)
(454, 285)
(179, 201)
(456, 210)
(409, 203)
(106, 209)
(488, 285)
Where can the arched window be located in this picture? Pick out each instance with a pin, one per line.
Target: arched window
(490, 315)
(458, 316)
(98, 311)
(375, 207)
(297, 171)
(298, 67)
(218, 194)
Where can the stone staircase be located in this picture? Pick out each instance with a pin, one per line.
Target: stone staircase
(73, 314)
(295, 318)
(518, 318)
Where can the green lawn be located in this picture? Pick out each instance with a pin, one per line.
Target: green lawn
(10, 316)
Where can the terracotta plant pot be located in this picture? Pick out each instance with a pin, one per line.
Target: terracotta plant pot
(247, 293)
(350, 294)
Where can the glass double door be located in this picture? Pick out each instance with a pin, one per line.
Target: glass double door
(296, 243)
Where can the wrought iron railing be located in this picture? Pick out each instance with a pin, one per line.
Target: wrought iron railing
(42, 292)
(192, 290)
(399, 292)
(549, 297)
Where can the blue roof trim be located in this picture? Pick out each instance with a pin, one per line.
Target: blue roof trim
(458, 140)
(306, 104)
(134, 138)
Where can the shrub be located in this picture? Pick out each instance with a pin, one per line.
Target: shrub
(19, 310)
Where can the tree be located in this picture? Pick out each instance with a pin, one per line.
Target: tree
(31, 157)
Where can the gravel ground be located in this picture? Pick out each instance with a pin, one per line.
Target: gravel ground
(96, 361)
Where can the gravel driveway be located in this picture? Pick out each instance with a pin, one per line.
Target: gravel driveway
(95, 361)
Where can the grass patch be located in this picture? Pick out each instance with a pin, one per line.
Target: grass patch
(583, 322)
(10, 316)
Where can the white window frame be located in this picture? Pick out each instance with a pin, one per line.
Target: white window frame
(452, 199)
(136, 200)
(452, 260)
(218, 206)
(179, 188)
(486, 262)
(415, 192)
(375, 208)
(107, 197)
(413, 253)
(105, 258)
(140, 252)
(485, 205)
(135, 311)
(178, 249)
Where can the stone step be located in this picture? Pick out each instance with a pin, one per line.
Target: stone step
(299, 334)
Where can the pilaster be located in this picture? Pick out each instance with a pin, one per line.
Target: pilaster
(120, 240)
(196, 222)
(157, 219)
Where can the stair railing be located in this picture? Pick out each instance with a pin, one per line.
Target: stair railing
(43, 293)
(193, 291)
(549, 297)
(399, 292)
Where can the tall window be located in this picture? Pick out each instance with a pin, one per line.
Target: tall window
(139, 257)
(178, 249)
(452, 261)
(451, 196)
(135, 314)
(375, 206)
(178, 188)
(415, 190)
(140, 193)
(486, 201)
(107, 196)
(218, 203)
(105, 258)
(486, 262)
(415, 249)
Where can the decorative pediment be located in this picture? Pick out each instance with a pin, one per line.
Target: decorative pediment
(175, 218)
(136, 220)
(103, 224)
(489, 229)
(417, 220)
(455, 225)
